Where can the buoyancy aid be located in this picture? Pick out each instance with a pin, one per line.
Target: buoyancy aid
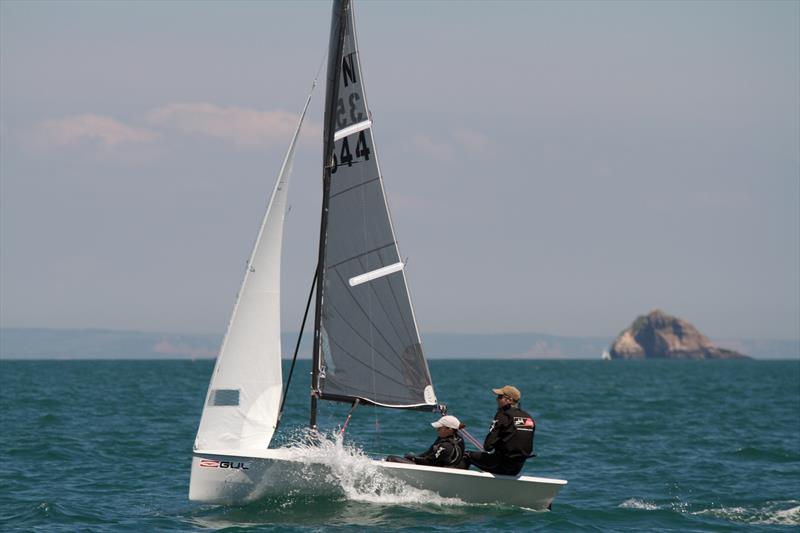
(511, 434)
(445, 451)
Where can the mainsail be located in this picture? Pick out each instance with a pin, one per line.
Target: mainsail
(367, 345)
(243, 397)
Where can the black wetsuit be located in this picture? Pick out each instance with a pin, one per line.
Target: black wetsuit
(511, 440)
(445, 451)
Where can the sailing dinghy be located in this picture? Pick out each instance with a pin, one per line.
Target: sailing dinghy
(366, 346)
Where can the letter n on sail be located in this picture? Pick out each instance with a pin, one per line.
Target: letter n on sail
(348, 71)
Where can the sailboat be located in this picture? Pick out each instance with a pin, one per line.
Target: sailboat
(366, 347)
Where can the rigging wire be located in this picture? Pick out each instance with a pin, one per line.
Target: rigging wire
(319, 68)
(296, 350)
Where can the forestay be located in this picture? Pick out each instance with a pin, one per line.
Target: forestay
(369, 345)
(243, 397)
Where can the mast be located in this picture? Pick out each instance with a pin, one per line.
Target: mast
(338, 23)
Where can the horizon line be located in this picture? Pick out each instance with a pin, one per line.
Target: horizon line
(519, 332)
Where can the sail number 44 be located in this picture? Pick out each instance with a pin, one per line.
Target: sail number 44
(345, 156)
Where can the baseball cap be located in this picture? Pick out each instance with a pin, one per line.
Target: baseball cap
(448, 421)
(509, 391)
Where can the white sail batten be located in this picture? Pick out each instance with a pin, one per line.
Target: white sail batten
(375, 274)
(349, 130)
(244, 395)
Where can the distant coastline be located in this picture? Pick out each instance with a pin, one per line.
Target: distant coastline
(43, 343)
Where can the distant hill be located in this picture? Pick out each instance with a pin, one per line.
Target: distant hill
(24, 343)
(36, 343)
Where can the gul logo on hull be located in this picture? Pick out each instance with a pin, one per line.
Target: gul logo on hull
(213, 463)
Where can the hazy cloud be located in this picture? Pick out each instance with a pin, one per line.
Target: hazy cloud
(245, 128)
(411, 202)
(460, 141)
(425, 144)
(103, 130)
(474, 142)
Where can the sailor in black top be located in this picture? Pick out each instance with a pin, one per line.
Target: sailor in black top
(510, 439)
(447, 450)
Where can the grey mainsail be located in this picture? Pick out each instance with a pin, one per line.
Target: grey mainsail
(367, 345)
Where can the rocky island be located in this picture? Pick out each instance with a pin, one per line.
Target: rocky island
(658, 335)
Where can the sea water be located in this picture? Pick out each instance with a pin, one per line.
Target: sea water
(651, 445)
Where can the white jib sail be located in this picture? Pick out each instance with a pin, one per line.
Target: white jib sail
(244, 394)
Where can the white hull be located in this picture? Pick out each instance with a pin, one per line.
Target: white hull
(222, 478)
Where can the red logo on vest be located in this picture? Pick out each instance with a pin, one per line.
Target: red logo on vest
(523, 422)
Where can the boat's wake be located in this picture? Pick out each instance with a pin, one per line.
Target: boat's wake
(783, 513)
(771, 513)
(347, 472)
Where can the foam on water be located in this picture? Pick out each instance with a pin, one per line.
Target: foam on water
(635, 503)
(784, 513)
(774, 513)
(356, 475)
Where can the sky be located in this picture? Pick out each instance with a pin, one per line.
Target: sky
(554, 167)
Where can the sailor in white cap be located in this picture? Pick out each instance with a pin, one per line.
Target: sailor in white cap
(447, 450)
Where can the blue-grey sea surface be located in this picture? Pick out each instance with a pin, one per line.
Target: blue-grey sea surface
(652, 445)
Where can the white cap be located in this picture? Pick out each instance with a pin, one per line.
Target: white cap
(447, 422)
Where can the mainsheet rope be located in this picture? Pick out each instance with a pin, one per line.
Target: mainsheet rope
(472, 439)
(462, 429)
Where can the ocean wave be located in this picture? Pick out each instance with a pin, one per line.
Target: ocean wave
(759, 454)
(773, 513)
(49, 512)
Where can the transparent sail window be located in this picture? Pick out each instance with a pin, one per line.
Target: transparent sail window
(224, 398)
